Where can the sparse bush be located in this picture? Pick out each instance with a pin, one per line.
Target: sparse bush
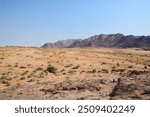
(24, 73)
(118, 64)
(28, 76)
(114, 80)
(70, 71)
(121, 70)
(103, 63)
(6, 82)
(136, 72)
(51, 69)
(22, 78)
(68, 65)
(2, 58)
(145, 67)
(8, 65)
(3, 74)
(118, 70)
(22, 67)
(31, 80)
(105, 71)
(62, 70)
(76, 67)
(39, 68)
(94, 70)
(28, 64)
(82, 71)
(130, 66)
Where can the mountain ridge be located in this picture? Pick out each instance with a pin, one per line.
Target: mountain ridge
(117, 40)
(60, 44)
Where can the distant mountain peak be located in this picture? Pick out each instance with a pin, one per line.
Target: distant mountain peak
(117, 40)
(61, 43)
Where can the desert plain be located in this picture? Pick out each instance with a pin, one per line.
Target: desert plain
(74, 73)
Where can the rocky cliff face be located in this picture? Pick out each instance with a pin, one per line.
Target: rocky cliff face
(111, 40)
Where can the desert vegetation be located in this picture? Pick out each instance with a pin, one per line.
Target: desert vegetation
(74, 73)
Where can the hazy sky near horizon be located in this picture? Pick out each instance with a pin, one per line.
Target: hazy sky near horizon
(35, 22)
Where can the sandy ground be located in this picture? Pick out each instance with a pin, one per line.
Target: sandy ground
(75, 73)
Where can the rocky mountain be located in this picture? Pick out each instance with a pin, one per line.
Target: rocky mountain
(111, 40)
(114, 40)
(61, 43)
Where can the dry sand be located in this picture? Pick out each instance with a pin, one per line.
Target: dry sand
(81, 73)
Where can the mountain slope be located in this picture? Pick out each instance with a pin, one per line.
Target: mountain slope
(60, 44)
(115, 40)
(111, 40)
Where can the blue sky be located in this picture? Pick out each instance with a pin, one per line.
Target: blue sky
(35, 22)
